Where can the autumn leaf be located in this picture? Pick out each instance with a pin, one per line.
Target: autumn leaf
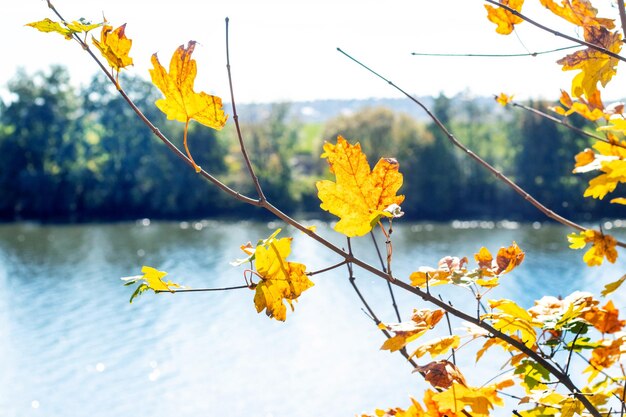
(604, 356)
(280, 280)
(181, 102)
(504, 19)
(441, 374)
(603, 246)
(405, 332)
(595, 67)
(152, 279)
(64, 28)
(503, 99)
(605, 319)
(359, 196)
(479, 401)
(447, 268)
(436, 347)
(511, 319)
(611, 287)
(114, 46)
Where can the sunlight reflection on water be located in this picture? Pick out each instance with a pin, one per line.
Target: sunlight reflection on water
(72, 345)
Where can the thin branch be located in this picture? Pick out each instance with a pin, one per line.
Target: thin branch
(562, 122)
(238, 287)
(556, 32)
(450, 330)
(533, 54)
(244, 152)
(569, 356)
(330, 268)
(382, 266)
(519, 190)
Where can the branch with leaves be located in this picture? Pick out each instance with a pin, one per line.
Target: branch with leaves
(366, 200)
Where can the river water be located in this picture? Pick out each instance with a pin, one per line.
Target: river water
(72, 345)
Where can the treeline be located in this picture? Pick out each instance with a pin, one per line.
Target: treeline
(83, 155)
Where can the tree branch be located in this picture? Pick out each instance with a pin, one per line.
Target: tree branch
(533, 54)
(244, 152)
(556, 32)
(519, 190)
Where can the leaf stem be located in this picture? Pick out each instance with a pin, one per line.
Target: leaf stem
(330, 268)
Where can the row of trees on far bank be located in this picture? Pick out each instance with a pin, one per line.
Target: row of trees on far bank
(65, 158)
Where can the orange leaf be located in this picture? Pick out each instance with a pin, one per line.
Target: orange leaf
(405, 332)
(441, 374)
(359, 197)
(605, 319)
(503, 99)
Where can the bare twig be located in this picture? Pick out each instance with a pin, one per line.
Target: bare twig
(238, 287)
(450, 330)
(556, 32)
(622, 15)
(382, 266)
(532, 54)
(506, 180)
(330, 268)
(244, 152)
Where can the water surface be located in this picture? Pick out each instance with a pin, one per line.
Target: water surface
(72, 345)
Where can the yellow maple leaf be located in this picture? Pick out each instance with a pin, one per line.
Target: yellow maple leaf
(114, 46)
(504, 19)
(152, 279)
(181, 102)
(280, 280)
(480, 401)
(405, 332)
(511, 319)
(595, 67)
(360, 196)
(67, 29)
(603, 246)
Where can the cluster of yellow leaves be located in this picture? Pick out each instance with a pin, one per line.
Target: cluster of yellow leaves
(152, 279)
(455, 401)
(513, 319)
(452, 270)
(591, 109)
(360, 197)
(113, 44)
(504, 19)
(280, 280)
(602, 246)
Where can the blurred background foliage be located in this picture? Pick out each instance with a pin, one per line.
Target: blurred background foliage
(69, 154)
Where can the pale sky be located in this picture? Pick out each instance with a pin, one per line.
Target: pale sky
(285, 50)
